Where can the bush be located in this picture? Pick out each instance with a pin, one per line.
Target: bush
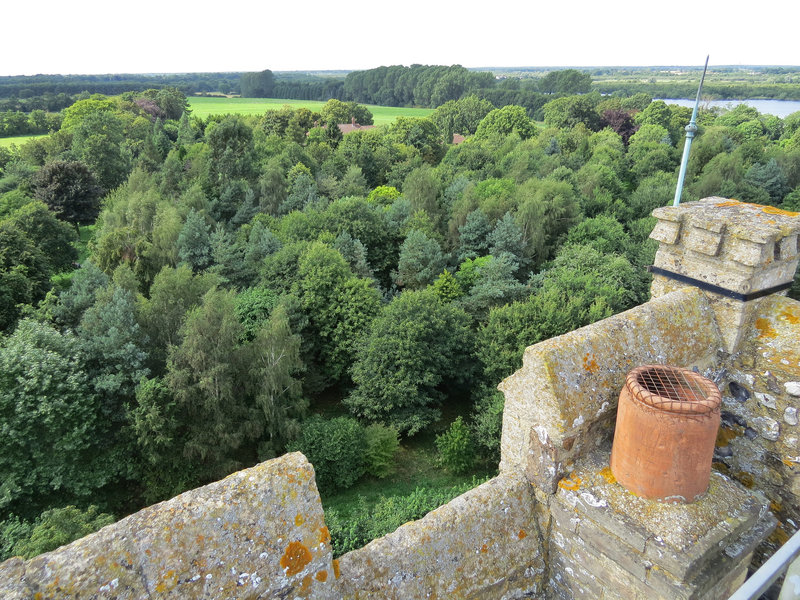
(455, 447)
(13, 531)
(336, 448)
(382, 443)
(59, 526)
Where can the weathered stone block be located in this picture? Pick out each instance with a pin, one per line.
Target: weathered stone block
(483, 544)
(258, 533)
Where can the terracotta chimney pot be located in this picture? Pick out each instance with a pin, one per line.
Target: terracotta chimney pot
(667, 423)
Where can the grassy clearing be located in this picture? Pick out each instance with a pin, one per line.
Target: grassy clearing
(204, 107)
(18, 140)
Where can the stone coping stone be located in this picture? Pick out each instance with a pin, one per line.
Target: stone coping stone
(258, 533)
(740, 220)
(682, 539)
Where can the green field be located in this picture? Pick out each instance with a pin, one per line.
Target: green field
(203, 107)
(18, 140)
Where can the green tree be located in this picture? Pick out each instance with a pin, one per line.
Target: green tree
(99, 142)
(53, 442)
(53, 237)
(70, 190)
(24, 273)
(421, 261)
(205, 376)
(194, 242)
(416, 349)
(504, 121)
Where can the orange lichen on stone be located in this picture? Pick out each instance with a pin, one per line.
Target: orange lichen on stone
(484, 549)
(765, 328)
(771, 210)
(322, 576)
(787, 461)
(305, 586)
(324, 535)
(791, 317)
(295, 558)
(299, 520)
(608, 475)
(336, 571)
(728, 203)
(589, 363)
(573, 482)
(522, 535)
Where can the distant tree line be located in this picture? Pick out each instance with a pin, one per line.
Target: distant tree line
(721, 91)
(22, 87)
(417, 85)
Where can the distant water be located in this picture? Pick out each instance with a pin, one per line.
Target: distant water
(779, 108)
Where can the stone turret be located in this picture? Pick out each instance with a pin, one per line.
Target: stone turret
(737, 253)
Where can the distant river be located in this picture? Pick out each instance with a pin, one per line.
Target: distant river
(779, 108)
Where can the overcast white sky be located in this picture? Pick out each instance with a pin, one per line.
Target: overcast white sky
(164, 36)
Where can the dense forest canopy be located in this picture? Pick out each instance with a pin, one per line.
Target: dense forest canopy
(243, 272)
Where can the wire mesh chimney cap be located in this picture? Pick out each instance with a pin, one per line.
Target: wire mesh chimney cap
(674, 390)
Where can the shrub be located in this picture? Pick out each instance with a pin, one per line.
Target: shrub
(455, 447)
(60, 526)
(364, 524)
(382, 443)
(336, 448)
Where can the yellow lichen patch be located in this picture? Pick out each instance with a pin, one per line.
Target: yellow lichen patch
(324, 535)
(336, 572)
(589, 363)
(322, 576)
(775, 506)
(745, 478)
(765, 328)
(728, 203)
(522, 535)
(787, 461)
(725, 435)
(299, 520)
(608, 475)
(295, 558)
(168, 582)
(771, 210)
(573, 482)
(791, 317)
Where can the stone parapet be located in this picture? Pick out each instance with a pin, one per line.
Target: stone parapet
(485, 544)
(561, 404)
(258, 533)
(740, 248)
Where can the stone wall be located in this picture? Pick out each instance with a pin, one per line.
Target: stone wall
(486, 543)
(259, 533)
(759, 439)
